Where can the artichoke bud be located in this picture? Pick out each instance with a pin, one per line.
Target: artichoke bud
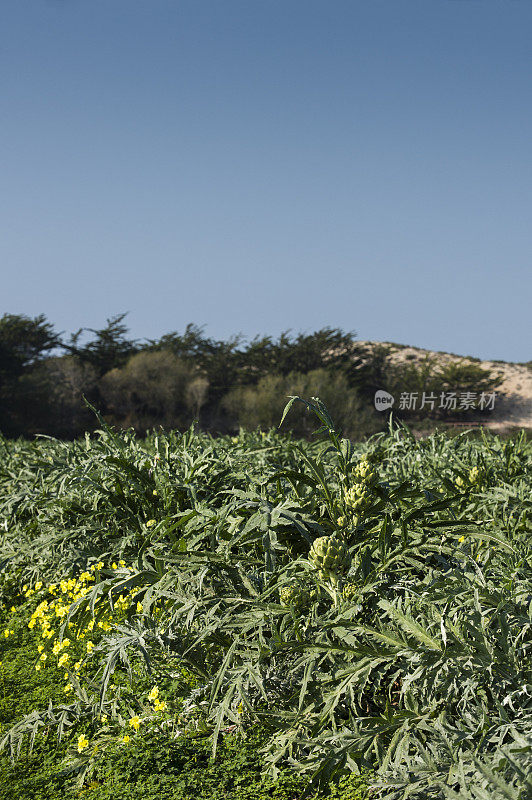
(475, 476)
(363, 472)
(295, 596)
(330, 557)
(357, 497)
(350, 590)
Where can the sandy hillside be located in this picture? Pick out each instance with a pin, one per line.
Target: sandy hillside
(513, 406)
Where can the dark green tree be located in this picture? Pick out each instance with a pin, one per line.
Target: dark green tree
(110, 348)
(25, 343)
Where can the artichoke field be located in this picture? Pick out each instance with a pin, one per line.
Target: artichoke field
(368, 606)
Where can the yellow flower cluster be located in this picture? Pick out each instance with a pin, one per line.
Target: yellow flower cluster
(134, 722)
(51, 611)
(69, 651)
(153, 697)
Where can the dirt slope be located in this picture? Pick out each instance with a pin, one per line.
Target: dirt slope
(513, 406)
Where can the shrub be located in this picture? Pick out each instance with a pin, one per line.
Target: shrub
(153, 388)
(261, 406)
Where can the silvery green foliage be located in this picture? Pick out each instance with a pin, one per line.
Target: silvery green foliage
(422, 670)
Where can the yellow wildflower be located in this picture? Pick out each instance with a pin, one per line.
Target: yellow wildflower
(134, 722)
(83, 742)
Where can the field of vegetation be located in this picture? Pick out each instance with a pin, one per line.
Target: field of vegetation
(257, 616)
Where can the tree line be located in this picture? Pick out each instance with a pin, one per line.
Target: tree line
(47, 380)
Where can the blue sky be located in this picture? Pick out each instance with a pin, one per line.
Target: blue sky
(261, 166)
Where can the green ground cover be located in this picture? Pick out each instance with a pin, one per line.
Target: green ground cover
(258, 617)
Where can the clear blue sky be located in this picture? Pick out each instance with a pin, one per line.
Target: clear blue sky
(263, 165)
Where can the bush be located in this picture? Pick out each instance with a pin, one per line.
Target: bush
(153, 388)
(261, 406)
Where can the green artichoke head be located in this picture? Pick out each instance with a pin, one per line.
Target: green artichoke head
(295, 596)
(330, 556)
(350, 590)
